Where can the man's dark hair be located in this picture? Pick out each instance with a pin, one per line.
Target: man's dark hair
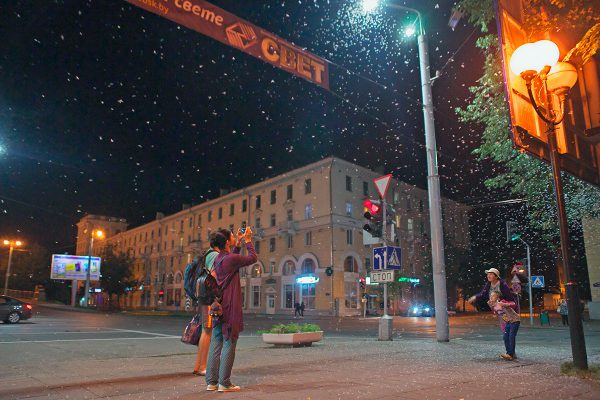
(219, 238)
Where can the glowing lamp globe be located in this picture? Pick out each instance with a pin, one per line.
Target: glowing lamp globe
(562, 77)
(533, 57)
(370, 5)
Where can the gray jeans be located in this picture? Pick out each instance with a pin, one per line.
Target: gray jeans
(220, 358)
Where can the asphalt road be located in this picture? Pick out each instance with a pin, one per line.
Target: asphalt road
(66, 354)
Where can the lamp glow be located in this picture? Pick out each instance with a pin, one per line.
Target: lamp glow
(534, 57)
(410, 31)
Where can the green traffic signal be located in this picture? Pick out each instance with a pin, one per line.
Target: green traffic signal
(515, 237)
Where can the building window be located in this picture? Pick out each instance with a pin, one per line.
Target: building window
(209, 217)
(257, 222)
(351, 298)
(256, 296)
(368, 263)
(308, 295)
(257, 247)
(308, 266)
(350, 264)
(231, 209)
(395, 195)
(307, 186)
(288, 291)
(348, 183)
(273, 220)
(349, 209)
(308, 238)
(256, 271)
(257, 202)
(181, 226)
(366, 188)
(244, 205)
(191, 222)
(273, 196)
(274, 267)
(272, 245)
(290, 241)
(420, 205)
(220, 213)
(290, 192)
(349, 237)
(289, 268)
(290, 215)
(408, 204)
(308, 211)
(151, 236)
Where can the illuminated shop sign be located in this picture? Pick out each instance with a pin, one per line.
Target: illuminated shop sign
(307, 279)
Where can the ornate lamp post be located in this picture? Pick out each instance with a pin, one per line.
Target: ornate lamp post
(539, 60)
(11, 246)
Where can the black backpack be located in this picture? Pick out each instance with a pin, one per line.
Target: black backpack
(191, 274)
(207, 289)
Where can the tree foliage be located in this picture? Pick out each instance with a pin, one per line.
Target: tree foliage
(116, 271)
(525, 176)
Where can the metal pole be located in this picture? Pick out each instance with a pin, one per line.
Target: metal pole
(435, 207)
(384, 237)
(575, 325)
(529, 280)
(10, 253)
(87, 274)
(73, 292)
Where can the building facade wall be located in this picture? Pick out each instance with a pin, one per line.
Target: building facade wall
(303, 222)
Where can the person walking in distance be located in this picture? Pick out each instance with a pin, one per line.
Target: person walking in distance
(227, 330)
(563, 310)
(302, 306)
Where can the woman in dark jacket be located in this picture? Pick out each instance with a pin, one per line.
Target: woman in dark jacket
(494, 284)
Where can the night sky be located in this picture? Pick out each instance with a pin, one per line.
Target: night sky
(108, 109)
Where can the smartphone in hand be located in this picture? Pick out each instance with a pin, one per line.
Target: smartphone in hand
(243, 229)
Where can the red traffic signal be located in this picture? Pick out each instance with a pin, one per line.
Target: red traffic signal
(371, 208)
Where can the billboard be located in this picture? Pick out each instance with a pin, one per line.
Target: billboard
(69, 267)
(577, 137)
(210, 20)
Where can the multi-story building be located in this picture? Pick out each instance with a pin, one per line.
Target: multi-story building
(303, 221)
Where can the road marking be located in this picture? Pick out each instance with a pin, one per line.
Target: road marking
(142, 332)
(86, 340)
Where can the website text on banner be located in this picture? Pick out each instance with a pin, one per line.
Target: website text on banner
(212, 21)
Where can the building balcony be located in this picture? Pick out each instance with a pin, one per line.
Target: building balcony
(287, 228)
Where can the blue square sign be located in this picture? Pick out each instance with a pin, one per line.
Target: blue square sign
(537, 281)
(388, 257)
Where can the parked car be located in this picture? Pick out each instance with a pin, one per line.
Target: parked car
(14, 310)
(421, 310)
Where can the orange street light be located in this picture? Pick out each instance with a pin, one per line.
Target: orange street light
(539, 60)
(12, 244)
(98, 234)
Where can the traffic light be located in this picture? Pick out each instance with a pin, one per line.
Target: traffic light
(374, 217)
(362, 283)
(329, 271)
(512, 233)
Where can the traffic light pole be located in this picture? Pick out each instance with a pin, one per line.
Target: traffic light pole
(529, 280)
(385, 322)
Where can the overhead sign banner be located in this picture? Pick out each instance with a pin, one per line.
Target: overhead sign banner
(210, 20)
(69, 267)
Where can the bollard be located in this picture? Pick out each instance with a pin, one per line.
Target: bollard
(385, 327)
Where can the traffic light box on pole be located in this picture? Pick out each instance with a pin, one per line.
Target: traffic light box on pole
(373, 214)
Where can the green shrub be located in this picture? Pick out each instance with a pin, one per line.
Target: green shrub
(291, 328)
(593, 371)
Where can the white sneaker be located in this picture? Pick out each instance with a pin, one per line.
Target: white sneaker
(232, 388)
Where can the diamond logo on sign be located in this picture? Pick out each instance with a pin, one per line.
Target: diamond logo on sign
(241, 35)
(537, 281)
(382, 183)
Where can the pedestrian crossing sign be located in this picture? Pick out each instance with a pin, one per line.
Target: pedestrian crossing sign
(388, 257)
(537, 281)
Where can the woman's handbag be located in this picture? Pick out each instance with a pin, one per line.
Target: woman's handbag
(191, 333)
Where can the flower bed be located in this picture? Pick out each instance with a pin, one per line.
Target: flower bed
(292, 335)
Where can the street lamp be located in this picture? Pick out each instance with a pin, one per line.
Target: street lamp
(433, 178)
(11, 246)
(539, 60)
(96, 233)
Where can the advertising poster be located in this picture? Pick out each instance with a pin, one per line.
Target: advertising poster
(70, 267)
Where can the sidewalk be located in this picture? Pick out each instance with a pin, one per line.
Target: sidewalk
(337, 368)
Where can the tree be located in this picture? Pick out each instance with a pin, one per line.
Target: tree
(525, 176)
(30, 267)
(115, 271)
